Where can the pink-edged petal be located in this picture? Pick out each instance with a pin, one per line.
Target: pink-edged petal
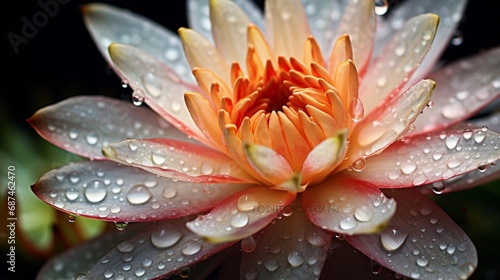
(348, 206)
(291, 247)
(426, 158)
(388, 122)
(449, 11)
(177, 159)
(79, 259)
(324, 17)
(156, 251)
(463, 88)
(486, 174)
(154, 82)
(241, 215)
(108, 191)
(421, 241)
(108, 24)
(85, 124)
(392, 69)
(324, 158)
(229, 26)
(359, 21)
(288, 26)
(260, 158)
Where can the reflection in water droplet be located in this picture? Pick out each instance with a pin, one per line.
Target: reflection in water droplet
(121, 225)
(381, 7)
(438, 187)
(72, 218)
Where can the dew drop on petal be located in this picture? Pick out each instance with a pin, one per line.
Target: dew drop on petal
(363, 214)
(392, 238)
(295, 259)
(138, 97)
(247, 202)
(165, 236)
(95, 191)
(71, 218)
(138, 194)
(359, 165)
(348, 223)
(248, 244)
(169, 192)
(271, 265)
(438, 187)
(71, 194)
(121, 225)
(381, 7)
(190, 247)
(239, 220)
(91, 138)
(375, 267)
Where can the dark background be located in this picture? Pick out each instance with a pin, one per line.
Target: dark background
(61, 60)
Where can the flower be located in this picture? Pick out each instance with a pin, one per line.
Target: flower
(294, 134)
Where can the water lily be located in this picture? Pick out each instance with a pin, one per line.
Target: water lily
(277, 131)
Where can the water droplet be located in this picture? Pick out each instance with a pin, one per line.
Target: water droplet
(71, 218)
(430, 104)
(125, 247)
(422, 261)
(451, 141)
(138, 194)
(169, 192)
(248, 244)
(479, 136)
(239, 220)
(190, 247)
(381, 7)
(95, 191)
(140, 272)
(124, 83)
(348, 223)
(206, 168)
(247, 202)
(73, 134)
(184, 272)
(482, 167)
(295, 259)
(457, 39)
(392, 238)
(316, 239)
(288, 211)
(71, 194)
(438, 187)
(359, 164)
(91, 138)
(363, 214)
(138, 97)
(121, 225)
(165, 236)
(271, 265)
(408, 167)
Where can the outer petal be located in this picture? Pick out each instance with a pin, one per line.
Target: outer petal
(85, 124)
(388, 122)
(82, 257)
(463, 182)
(241, 215)
(348, 206)
(288, 26)
(423, 159)
(177, 159)
(199, 15)
(359, 21)
(108, 24)
(159, 87)
(464, 87)
(492, 122)
(229, 26)
(324, 17)
(156, 251)
(289, 248)
(107, 191)
(421, 241)
(399, 60)
(449, 11)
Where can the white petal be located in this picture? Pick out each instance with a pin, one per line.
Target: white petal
(324, 17)
(241, 215)
(177, 159)
(156, 84)
(399, 60)
(426, 158)
(463, 88)
(289, 247)
(347, 206)
(288, 25)
(108, 24)
(108, 191)
(421, 241)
